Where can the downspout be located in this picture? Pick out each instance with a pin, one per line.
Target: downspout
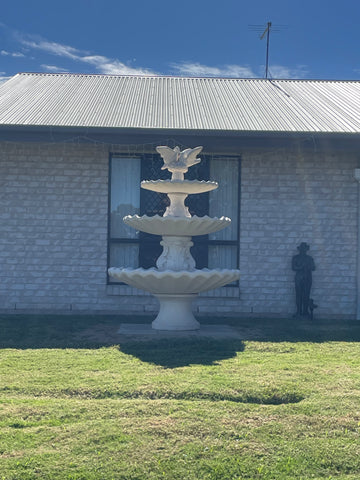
(357, 177)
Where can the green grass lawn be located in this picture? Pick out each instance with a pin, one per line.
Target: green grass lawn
(79, 402)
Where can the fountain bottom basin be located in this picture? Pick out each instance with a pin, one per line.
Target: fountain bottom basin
(164, 282)
(175, 290)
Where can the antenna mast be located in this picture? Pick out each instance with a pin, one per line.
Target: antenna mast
(260, 30)
(267, 33)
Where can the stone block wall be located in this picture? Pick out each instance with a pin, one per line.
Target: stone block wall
(53, 237)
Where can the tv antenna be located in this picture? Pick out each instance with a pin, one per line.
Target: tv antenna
(266, 33)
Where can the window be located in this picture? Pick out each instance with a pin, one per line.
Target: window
(129, 248)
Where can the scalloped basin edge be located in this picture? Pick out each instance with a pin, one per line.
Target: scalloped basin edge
(178, 226)
(179, 186)
(174, 283)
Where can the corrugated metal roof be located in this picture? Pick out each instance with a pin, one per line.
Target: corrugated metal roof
(218, 104)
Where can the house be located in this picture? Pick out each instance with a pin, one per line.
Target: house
(73, 149)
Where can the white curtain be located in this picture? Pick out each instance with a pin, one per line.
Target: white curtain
(124, 255)
(224, 200)
(222, 256)
(125, 195)
(125, 200)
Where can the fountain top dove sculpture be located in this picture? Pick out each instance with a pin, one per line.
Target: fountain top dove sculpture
(178, 162)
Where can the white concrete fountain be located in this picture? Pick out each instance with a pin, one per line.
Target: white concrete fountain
(176, 282)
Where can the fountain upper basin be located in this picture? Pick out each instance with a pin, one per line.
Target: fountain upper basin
(179, 186)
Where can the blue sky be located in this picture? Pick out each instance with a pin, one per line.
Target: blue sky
(315, 39)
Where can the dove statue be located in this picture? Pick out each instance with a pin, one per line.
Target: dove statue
(178, 162)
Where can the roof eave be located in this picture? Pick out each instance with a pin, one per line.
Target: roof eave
(213, 140)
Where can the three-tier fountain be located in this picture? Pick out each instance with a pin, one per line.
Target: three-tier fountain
(175, 281)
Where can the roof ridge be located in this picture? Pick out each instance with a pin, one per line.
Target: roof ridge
(183, 77)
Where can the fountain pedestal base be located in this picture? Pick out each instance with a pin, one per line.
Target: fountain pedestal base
(176, 313)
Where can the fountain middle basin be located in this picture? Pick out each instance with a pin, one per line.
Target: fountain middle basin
(177, 226)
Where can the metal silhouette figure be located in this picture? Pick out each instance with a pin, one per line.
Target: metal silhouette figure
(303, 265)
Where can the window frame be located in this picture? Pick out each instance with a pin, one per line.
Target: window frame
(198, 241)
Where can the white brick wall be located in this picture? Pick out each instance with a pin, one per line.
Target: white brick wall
(287, 199)
(53, 241)
(53, 214)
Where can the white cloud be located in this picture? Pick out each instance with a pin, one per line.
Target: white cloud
(238, 71)
(281, 71)
(53, 48)
(198, 69)
(113, 66)
(54, 69)
(101, 63)
(11, 54)
(4, 79)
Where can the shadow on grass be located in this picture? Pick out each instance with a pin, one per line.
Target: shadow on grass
(93, 332)
(56, 331)
(181, 352)
(263, 396)
(295, 330)
(96, 331)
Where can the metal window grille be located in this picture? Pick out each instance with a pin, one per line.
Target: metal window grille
(145, 247)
